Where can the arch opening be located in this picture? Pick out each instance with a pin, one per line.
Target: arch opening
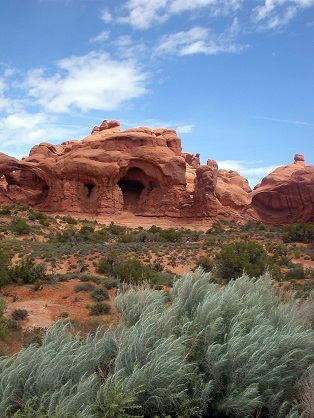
(131, 190)
(89, 188)
(26, 187)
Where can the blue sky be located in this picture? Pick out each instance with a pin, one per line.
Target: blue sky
(234, 77)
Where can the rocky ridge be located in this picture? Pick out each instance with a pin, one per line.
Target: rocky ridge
(145, 172)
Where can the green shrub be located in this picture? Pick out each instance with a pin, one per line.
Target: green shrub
(205, 262)
(84, 287)
(6, 210)
(2, 306)
(69, 220)
(239, 257)
(4, 263)
(132, 271)
(298, 271)
(116, 229)
(109, 282)
(86, 233)
(100, 294)
(108, 264)
(19, 226)
(26, 271)
(19, 314)
(100, 308)
(299, 233)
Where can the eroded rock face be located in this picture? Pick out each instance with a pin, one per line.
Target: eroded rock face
(140, 170)
(287, 195)
(144, 171)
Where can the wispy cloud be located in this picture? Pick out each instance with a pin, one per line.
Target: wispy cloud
(106, 16)
(101, 38)
(127, 48)
(184, 129)
(179, 126)
(201, 40)
(142, 14)
(274, 14)
(289, 121)
(271, 14)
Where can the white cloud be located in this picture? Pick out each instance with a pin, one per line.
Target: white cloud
(275, 14)
(127, 48)
(106, 16)
(253, 174)
(142, 14)
(4, 103)
(31, 105)
(30, 128)
(216, 7)
(289, 121)
(101, 38)
(201, 40)
(90, 82)
(184, 129)
(8, 103)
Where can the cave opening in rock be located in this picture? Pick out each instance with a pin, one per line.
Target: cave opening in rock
(89, 188)
(131, 190)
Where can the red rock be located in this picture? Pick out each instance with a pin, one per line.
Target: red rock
(144, 171)
(232, 190)
(287, 195)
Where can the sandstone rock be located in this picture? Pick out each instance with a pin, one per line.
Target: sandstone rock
(232, 190)
(299, 159)
(287, 195)
(144, 171)
(139, 170)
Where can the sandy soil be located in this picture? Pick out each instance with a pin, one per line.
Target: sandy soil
(130, 220)
(46, 305)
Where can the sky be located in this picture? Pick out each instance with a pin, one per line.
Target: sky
(234, 77)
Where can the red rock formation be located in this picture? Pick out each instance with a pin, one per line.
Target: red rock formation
(144, 171)
(232, 190)
(287, 195)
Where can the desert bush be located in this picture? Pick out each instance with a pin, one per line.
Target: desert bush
(19, 226)
(84, 287)
(6, 210)
(69, 220)
(19, 314)
(4, 266)
(108, 264)
(205, 263)
(25, 271)
(109, 282)
(100, 308)
(298, 271)
(116, 229)
(299, 233)
(132, 271)
(235, 351)
(239, 257)
(2, 306)
(100, 293)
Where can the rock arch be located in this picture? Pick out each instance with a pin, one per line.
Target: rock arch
(137, 181)
(26, 187)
